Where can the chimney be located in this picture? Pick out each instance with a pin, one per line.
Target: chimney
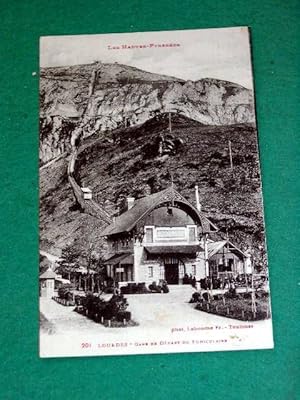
(198, 205)
(130, 202)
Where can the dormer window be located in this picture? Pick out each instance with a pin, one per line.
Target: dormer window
(169, 211)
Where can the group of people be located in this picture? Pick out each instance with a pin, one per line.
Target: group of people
(225, 282)
(189, 280)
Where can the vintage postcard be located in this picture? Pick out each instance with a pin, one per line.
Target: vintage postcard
(152, 235)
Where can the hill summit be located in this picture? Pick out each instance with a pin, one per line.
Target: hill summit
(110, 96)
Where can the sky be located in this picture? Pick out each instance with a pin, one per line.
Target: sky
(222, 53)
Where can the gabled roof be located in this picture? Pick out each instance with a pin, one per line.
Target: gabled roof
(122, 259)
(49, 274)
(143, 206)
(214, 247)
(86, 190)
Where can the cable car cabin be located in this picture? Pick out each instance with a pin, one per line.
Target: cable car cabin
(87, 193)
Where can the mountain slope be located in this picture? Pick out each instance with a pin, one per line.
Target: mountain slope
(127, 162)
(111, 96)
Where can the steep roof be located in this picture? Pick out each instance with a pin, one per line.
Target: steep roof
(143, 206)
(122, 259)
(49, 274)
(214, 247)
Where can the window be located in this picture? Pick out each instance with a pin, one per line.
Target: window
(175, 234)
(125, 243)
(192, 234)
(162, 272)
(150, 272)
(129, 273)
(194, 270)
(149, 235)
(230, 264)
(181, 269)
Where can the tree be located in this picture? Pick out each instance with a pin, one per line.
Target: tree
(86, 251)
(70, 259)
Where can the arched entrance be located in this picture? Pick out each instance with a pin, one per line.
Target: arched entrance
(174, 270)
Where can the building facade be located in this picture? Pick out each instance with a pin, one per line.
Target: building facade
(161, 236)
(226, 260)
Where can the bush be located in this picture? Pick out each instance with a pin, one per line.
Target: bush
(107, 312)
(217, 297)
(262, 294)
(196, 297)
(96, 308)
(165, 288)
(206, 296)
(141, 288)
(65, 291)
(231, 294)
(108, 289)
(134, 288)
(161, 287)
(79, 300)
(123, 315)
(155, 288)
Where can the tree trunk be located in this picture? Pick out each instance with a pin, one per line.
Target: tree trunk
(93, 283)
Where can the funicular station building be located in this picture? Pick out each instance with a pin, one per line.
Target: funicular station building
(163, 236)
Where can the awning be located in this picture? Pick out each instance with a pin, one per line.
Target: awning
(185, 249)
(127, 260)
(124, 258)
(62, 280)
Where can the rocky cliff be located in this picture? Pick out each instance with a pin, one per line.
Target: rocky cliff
(99, 97)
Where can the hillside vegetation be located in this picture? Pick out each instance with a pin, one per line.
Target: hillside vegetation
(128, 163)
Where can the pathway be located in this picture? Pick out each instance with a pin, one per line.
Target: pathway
(151, 310)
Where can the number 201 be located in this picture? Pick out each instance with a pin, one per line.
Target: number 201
(85, 345)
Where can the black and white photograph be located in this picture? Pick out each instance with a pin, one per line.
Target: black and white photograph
(152, 235)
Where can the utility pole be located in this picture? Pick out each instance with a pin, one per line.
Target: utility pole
(172, 179)
(227, 235)
(205, 238)
(172, 185)
(230, 154)
(198, 205)
(170, 123)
